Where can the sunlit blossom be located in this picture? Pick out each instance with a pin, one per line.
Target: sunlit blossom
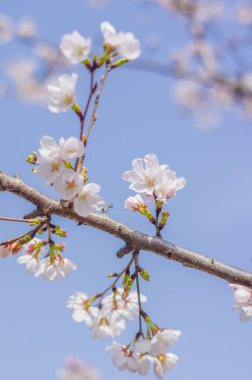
(62, 95)
(126, 43)
(75, 47)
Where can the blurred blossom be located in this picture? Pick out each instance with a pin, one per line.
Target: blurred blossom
(6, 29)
(244, 14)
(97, 4)
(26, 29)
(75, 369)
(46, 52)
(21, 70)
(203, 50)
(153, 41)
(201, 11)
(188, 93)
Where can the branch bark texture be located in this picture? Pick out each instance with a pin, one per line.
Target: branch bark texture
(134, 240)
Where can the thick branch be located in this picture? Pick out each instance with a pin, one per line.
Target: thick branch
(135, 239)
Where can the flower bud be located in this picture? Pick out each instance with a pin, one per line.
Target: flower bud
(164, 217)
(77, 109)
(111, 275)
(119, 63)
(144, 274)
(32, 158)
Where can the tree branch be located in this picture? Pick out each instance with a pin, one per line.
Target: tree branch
(135, 239)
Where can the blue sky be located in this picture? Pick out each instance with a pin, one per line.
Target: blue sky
(212, 215)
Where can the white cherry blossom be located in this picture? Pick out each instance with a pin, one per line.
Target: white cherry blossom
(68, 184)
(167, 185)
(163, 339)
(122, 358)
(126, 306)
(126, 43)
(145, 174)
(71, 148)
(49, 163)
(243, 301)
(30, 261)
(135, 203)
(164, 363)
(62, 95)
(31, 255)
(57, 269)
(75, 47)
(82, 310)
(107, 325)
(88, 200)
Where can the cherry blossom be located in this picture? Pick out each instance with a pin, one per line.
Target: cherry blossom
(88, 200)
(126, 43)
(56, 269)
(163, 339)
(145, 174)
(31, 262)
(125, 305)
(167, 185)
(68, 184)
(122, 357)
(31, 255)
(107, 325)
(82, 310)
(243, 301)
(135, 203)
(49, 163)
(75, 47)
(71, 148)
(62, 95)
(165, 362)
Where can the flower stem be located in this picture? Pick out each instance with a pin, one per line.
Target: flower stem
(136, 258)
(100, 295)
(31, 233)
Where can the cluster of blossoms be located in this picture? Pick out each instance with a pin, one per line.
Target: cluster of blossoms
(108, 317)
(153, 183)
(146, 352)
(54, 164)
(50, 266)
(76, 49)
(243, 301)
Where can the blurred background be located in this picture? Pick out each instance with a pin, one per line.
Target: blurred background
(188, 99)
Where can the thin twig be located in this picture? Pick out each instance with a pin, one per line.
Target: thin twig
(119, 275)
(136, 258)
(94, 116)
(30, 233)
